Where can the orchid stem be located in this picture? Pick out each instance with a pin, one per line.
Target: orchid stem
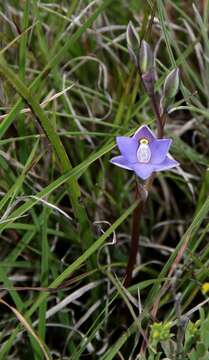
(137, 214)
(158, 116)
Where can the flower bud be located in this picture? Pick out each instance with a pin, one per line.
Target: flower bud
(148, 79)
(146, 58)
(171, 84)
(133, 42)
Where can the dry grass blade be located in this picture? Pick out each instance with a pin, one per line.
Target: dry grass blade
(29, 329)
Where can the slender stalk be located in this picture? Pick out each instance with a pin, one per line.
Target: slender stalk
(134, 238)
(137, 215)
(160, 126)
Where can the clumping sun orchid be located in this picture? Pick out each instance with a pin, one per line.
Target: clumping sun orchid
(143, 153)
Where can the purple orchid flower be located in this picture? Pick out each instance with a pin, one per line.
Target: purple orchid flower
(143, 153)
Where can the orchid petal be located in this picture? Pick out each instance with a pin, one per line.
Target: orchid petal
(144, 133)
(143, 170)
(167, 164)
(159, 149)
(128, 147)
(121, 162)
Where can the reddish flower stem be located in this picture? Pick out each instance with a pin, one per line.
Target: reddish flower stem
(137, 214)
(160, 122)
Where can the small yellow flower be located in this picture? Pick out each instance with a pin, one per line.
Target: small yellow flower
(161, 331)
(205, 288)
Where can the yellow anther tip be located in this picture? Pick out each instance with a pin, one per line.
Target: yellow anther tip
(144, 141)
